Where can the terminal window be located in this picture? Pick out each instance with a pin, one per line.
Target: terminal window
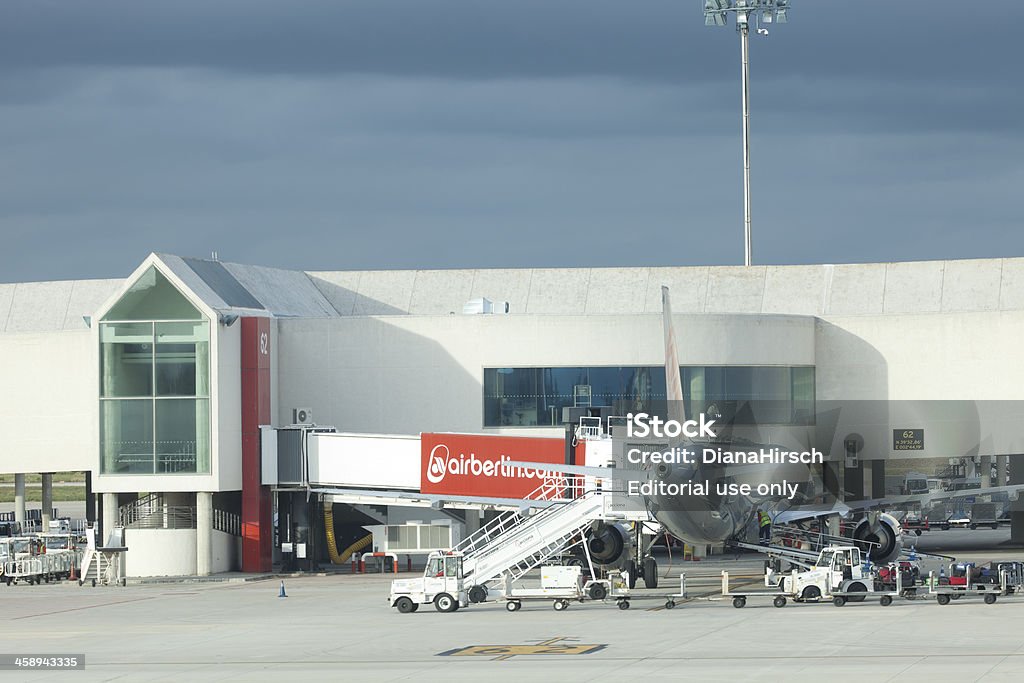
(534, 397)
(154, 382)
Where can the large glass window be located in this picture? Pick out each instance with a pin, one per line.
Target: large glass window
(534, 397)
(154, 383)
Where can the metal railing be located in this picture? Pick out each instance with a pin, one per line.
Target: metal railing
(228, 522)
(151, 513)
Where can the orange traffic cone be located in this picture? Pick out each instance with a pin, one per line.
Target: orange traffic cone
(72, 576)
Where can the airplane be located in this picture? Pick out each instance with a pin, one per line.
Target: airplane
(707, 518)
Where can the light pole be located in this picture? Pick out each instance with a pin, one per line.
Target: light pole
(758, 12)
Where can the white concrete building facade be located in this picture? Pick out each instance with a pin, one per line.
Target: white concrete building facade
(156, 384)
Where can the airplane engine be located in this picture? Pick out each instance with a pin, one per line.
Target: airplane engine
(881, 536)
(609, 543)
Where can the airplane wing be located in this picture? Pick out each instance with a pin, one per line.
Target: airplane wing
(806, 512)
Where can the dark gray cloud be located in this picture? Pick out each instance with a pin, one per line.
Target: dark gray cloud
(449, 133)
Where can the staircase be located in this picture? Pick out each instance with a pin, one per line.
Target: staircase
(98, 568)
(514, 544)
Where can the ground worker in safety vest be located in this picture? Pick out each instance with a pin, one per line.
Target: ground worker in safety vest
(764, 523)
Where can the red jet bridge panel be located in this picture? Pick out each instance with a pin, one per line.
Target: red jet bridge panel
(473, 464)
(257, 530)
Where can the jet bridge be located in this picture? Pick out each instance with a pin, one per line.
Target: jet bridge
(309, 466)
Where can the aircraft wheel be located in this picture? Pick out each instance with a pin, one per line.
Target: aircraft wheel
(885, 601)
(739, 603)
(623, 604)
(779, 601)
(445, 603)
(990, 599)
(650, 572)
(942, 599)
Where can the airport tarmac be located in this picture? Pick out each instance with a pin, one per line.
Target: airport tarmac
(337, 626)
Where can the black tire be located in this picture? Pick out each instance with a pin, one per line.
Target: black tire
(857, 587)
(942, 599)
(477, 594)
(810, 593)
(444, 602)
(94, 583)
(404, 605)
(779, 601)
(670, 604)
(973, 527)
(512, 606)
(945, 527)
(560, 605)
(80, 582)
(597, 591)
(885, 601)
(994, 525)
(839, 601)
(739, 603)
(990, 599)
(623, 604)
(650, 572)
(917, 532)
(415, 606)
(956, 596)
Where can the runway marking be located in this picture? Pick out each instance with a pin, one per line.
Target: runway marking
(551, 646)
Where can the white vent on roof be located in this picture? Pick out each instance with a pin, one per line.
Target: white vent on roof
(482, 305)
(477, 306)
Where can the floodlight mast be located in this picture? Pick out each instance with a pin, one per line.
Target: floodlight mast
(760, 11)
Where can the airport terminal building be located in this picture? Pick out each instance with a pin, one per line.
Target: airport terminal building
(158, 384)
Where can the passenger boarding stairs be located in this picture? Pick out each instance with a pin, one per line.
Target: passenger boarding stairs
(515, 543)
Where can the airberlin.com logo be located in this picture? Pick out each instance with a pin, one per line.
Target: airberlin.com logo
(441, 463)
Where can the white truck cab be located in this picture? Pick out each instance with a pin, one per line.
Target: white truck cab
(441, 584)
(838, 569)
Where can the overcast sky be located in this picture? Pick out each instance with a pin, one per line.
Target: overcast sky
(334, 134)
